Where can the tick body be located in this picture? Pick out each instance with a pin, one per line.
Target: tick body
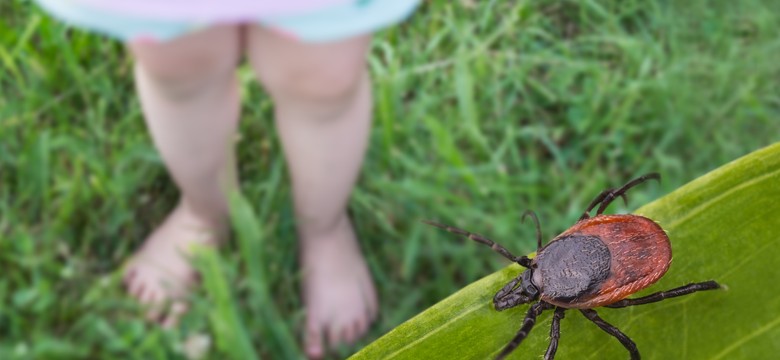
(599, 261)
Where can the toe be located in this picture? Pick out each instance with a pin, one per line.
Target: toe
(373, 304)
(175, 312)
(351, 332)
(313, 342)
(127, 279)
(334, 336)
(153, 313)
(371, 311)
(154, 307)
(348, 334)
(361, 327)
(133, 287)
(371, 301)
(151, 295)
(139, 291)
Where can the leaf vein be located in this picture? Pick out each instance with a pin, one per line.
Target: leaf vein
(741, 341)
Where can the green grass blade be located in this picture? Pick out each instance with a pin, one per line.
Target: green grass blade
(231, 334)
(723, 226)
(249, 231)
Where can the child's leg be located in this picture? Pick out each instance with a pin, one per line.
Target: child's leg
(190, 100)
(322, 102)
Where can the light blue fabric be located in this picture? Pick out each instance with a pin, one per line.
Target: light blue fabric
(330, 24)
(115, 25)
(341, 22)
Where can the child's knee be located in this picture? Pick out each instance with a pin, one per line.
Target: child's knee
(307, 73)
(322, 83)
(185, 65)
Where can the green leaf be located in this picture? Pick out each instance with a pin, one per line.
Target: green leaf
(723, 226)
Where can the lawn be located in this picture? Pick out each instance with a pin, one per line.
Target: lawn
(483, 109)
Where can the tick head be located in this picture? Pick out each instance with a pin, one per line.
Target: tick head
(513, 294)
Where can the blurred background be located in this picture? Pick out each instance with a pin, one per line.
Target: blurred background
(483, 109)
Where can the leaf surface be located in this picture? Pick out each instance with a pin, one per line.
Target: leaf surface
(724, 226)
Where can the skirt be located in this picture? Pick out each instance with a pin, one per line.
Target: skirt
(163, 20)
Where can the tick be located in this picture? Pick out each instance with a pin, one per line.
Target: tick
(599, 261)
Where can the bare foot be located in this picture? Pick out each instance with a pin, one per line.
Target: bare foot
(159, 274)
(338, 291)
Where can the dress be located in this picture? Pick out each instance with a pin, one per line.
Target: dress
(162, 20)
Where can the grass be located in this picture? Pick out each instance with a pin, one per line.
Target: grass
(483, 109)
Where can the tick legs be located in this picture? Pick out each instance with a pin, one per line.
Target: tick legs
(538, 227)
(528, 324)
(599, 198)
(522, 260)
(680, 291)
(627, 343)
(555, 333)
(619, 192)
(607, 196)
